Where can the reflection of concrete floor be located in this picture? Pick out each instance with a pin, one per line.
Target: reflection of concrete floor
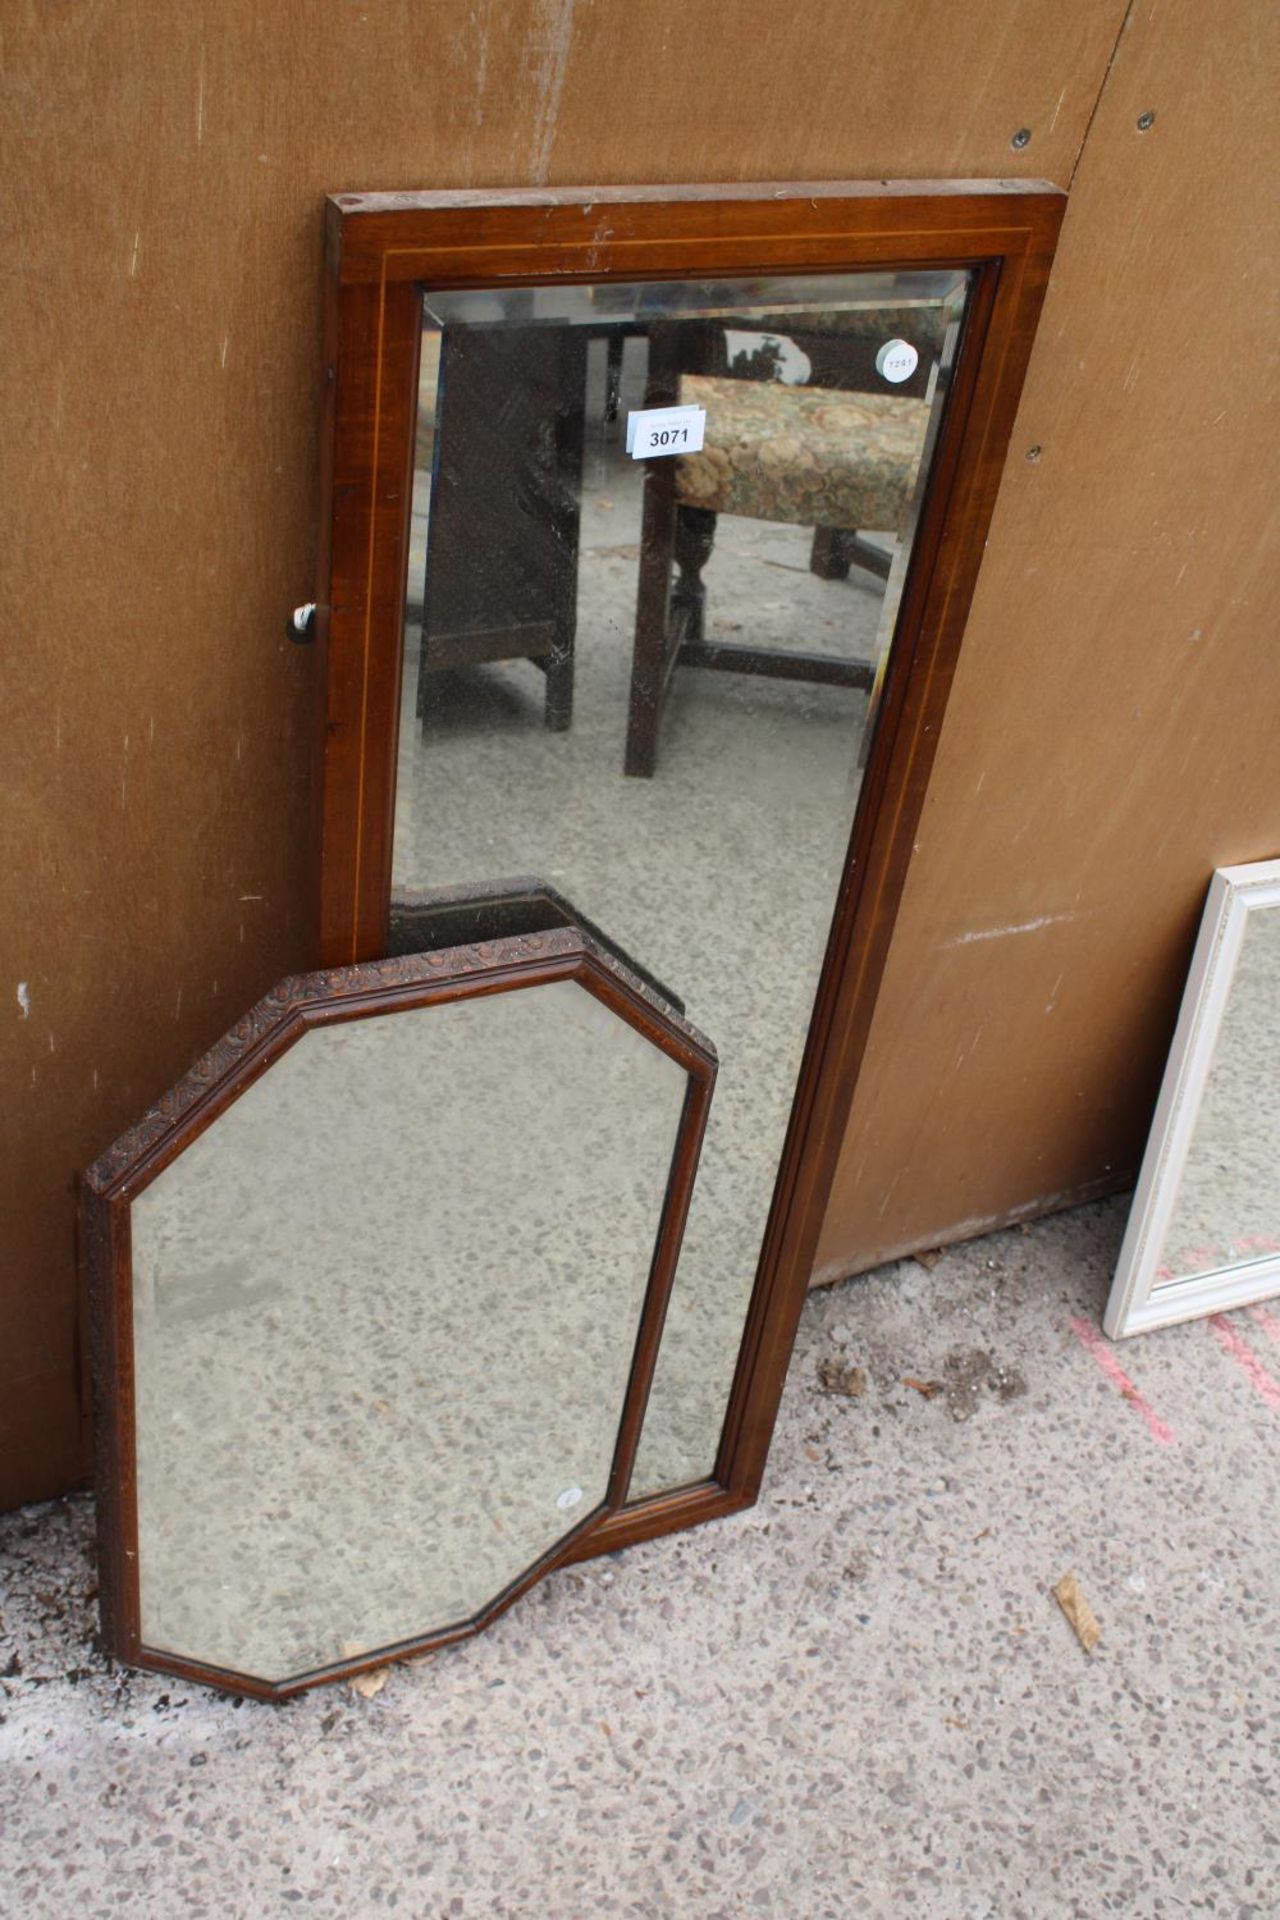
(1228, 1207)
(719, 874)
(856, 1700)
(384, 1315)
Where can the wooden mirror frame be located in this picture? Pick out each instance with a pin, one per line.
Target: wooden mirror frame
(297, 1006)
(382, 249)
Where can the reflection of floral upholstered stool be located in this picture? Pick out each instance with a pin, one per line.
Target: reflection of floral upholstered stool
(835, 461)
(841, 347)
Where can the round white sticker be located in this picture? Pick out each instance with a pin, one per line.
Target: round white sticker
(569, 1498)
(897, 360)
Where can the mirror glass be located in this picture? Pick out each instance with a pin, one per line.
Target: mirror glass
(1227, 1210)
(642, 658)
(384, 1312)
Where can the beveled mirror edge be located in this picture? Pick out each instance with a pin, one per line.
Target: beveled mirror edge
(299, 1004)
(378, 247)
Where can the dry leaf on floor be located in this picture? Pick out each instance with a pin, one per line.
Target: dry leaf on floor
(1078, 1611)
(929, 1388)
(368, 1685)
(835, 1377)
(928, 1258)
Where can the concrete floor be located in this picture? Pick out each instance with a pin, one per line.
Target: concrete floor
(858, 1699)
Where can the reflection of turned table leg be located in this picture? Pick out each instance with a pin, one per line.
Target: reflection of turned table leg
(656, 639)
(650, 660)
(695, 534)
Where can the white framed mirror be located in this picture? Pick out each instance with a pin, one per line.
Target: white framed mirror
(1204, 1233)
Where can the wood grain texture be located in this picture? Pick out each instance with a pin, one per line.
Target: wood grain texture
(1110, 738)
(164, 403)
(378, 332)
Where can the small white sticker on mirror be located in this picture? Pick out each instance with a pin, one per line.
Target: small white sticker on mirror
(659, 430)
(897, 360)
(568, 1498)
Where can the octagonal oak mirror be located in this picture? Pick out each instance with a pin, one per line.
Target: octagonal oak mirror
(376, 1297)
(652, 522)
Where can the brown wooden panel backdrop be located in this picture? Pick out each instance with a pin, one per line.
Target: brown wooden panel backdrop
(1111, 732)
(163, 177)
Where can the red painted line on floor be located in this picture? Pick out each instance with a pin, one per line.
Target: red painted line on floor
(1268, 1322)
(1232, 1342)
(1097, 1344)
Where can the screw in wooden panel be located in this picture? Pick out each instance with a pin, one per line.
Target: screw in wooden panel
(1033, 454)
(1021, 139)
(1145, 120)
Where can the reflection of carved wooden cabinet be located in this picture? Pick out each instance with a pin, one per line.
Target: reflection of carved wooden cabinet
(502, 536)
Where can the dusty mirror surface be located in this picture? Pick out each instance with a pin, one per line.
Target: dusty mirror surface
(384, 1314)
(649, 682)
(1227, 1210)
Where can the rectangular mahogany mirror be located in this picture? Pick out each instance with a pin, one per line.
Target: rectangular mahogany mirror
(652, 522)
